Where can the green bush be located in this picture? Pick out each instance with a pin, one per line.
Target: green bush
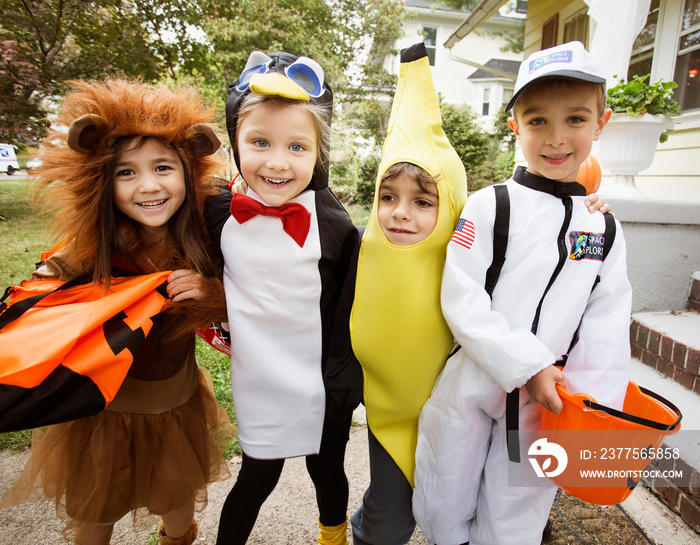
(494, 170)
(366, 179)
(343, 179)
(480, 152)
(468, 139)
(504, 165)
(502, 130)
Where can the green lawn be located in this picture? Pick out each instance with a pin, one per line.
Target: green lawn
(22, 239)
(22, 235)
(358, 214)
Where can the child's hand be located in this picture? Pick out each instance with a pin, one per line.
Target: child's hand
(594, 202)
(542, 388)
(185, 284)
(240, 187)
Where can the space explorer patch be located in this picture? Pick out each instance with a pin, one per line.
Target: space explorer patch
(565, 57)
(586, 245)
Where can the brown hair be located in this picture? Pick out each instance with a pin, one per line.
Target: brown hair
(77, 186)
(424, 180)
(564, 84)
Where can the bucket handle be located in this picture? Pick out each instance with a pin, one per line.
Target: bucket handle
(638, 419)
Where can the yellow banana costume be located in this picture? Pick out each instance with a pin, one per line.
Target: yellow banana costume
(397, 329)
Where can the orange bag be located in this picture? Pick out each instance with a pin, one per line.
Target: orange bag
(67, 347)
(620, 446)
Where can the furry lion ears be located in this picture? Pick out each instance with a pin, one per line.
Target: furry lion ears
(85, 133)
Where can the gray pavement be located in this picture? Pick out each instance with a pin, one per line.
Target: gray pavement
(289, 516)
(18, 175)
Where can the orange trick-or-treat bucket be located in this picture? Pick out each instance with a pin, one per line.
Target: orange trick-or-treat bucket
(608, 450)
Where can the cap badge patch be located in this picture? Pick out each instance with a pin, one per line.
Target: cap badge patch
(558, 57)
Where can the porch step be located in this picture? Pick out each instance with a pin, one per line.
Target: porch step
(666, 359)
(670, 341)
(694, 298)
(683, 496)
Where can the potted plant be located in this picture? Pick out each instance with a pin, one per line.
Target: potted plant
(641, 118)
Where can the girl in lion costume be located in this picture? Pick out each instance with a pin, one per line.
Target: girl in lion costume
(127, 185)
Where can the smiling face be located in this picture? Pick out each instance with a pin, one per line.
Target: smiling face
(277, 150)
(556, 126)
(149, 185)
(406, 212)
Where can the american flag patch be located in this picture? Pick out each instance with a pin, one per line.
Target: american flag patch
(464, 233)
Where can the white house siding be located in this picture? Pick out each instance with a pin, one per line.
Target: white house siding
(539, 11)
(450, 76)
(675, 173)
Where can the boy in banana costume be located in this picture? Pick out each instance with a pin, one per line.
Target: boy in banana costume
(397, 329)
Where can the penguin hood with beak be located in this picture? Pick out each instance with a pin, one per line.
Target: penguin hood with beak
(288, 76)
(397, 329)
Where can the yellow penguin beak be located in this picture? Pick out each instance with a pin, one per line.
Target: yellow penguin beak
(277, 84)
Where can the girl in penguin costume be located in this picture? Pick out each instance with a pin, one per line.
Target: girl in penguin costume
(288, 247)
(397, 329)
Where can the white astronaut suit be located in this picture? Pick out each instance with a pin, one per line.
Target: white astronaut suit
(462, 469)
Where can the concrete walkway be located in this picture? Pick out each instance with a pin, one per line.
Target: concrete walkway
(289, 515)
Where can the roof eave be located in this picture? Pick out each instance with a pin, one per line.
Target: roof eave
(476, 18)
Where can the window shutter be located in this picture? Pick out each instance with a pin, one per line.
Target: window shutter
(549, 31)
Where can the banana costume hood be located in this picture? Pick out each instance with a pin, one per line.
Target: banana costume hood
(397, 329)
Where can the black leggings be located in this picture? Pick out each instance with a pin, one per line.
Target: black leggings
(258, 478)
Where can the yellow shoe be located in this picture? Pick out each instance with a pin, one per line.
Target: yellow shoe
(333, 535)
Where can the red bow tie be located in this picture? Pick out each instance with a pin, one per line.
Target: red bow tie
(296, 220)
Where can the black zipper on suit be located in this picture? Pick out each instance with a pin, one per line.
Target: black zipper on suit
(563, 254)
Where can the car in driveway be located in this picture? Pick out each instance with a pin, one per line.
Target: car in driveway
(8, 159)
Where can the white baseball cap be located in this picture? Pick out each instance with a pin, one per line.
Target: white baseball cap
(569, 60)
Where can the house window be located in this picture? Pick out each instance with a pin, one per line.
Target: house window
(576, 28)
(687, 74)
(643, 47)
(430, 41)
(486, 102)
(549, 32)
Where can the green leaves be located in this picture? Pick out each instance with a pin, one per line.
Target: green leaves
(469, 141)
(199, 42)
(636, 97)
(48, 43)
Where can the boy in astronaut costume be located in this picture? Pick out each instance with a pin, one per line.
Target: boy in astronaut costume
(550, 286)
